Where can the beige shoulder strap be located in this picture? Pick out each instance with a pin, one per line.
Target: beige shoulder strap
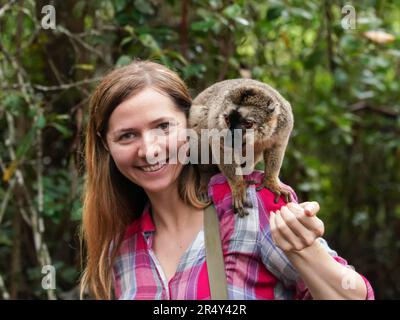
(214, 255)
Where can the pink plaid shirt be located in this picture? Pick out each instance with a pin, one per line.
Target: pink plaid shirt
(255, 267)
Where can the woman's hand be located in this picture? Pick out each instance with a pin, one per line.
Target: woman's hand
(295, 226)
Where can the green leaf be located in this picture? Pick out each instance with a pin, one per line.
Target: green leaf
(14, 103)
(144, 6)
(148, 41)
(313, 59)
(78, 9)
(202, 25)
(129, 29)
(88, 21)
(194, 70)
(76, 214)
(274, 12)
(341, 76)
(232, 11)
(126, 40)
(323, 81)
(299, 12)
(40, 122)
(119, 5)
(123, 61)
(62, 129)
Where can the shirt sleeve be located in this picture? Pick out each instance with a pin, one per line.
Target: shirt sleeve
(276, 261)
(273, 258)
(302, 292)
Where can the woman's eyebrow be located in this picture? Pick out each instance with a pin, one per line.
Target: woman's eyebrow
(152, 122)
(162, 119)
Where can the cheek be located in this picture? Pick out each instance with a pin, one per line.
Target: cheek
(123, 157)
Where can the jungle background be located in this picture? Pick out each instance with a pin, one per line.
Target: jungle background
(343, 84)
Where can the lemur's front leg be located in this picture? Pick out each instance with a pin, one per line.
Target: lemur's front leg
(273, 158)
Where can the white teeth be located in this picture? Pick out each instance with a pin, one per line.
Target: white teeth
(153, 168)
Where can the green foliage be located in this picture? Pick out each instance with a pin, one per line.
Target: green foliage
(343, 86)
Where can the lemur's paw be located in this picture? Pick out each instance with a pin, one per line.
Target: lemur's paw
(241, 211)
(277, 190)
(241, 204)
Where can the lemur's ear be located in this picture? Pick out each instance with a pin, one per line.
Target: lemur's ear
(250, 95)
(247, 92)
(255, 97)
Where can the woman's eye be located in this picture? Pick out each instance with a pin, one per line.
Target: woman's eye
(164, 125)
(127, 136)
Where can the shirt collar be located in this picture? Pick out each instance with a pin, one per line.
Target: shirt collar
(146, 223)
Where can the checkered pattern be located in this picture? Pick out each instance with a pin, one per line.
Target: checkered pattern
(255, 267)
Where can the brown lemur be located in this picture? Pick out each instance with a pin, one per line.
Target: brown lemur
(243, 104)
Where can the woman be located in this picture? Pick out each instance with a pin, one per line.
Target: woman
(142, 222)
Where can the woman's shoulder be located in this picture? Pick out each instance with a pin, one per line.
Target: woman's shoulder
(219, 190)
(251, 227)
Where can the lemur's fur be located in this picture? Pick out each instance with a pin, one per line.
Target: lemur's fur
(244, 104)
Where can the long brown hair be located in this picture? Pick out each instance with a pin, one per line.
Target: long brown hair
(111, 201)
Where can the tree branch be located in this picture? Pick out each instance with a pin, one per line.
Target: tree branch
(67, 85)
(184, 28)
(328, 20)
(382, 110)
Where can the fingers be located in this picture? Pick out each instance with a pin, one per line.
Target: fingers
(292, 229)
(311, 208)
(306, 236)
(277, 236)
(312, 223)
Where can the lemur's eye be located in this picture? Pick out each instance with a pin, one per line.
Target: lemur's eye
(248, 124)
(226, 118)
(271, 107)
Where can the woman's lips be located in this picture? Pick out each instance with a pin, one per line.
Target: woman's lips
(153, 168)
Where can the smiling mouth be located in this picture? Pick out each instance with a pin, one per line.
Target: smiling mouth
(155, 167)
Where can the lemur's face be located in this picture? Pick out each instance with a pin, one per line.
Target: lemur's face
(250, 109)
(239, 118)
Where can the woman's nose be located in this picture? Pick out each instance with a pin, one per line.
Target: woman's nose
(149, 148)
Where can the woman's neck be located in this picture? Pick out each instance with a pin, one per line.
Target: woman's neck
(170, 213)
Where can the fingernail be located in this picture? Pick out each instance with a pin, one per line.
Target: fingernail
(309, 212)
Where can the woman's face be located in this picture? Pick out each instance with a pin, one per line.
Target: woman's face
(142, 129)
